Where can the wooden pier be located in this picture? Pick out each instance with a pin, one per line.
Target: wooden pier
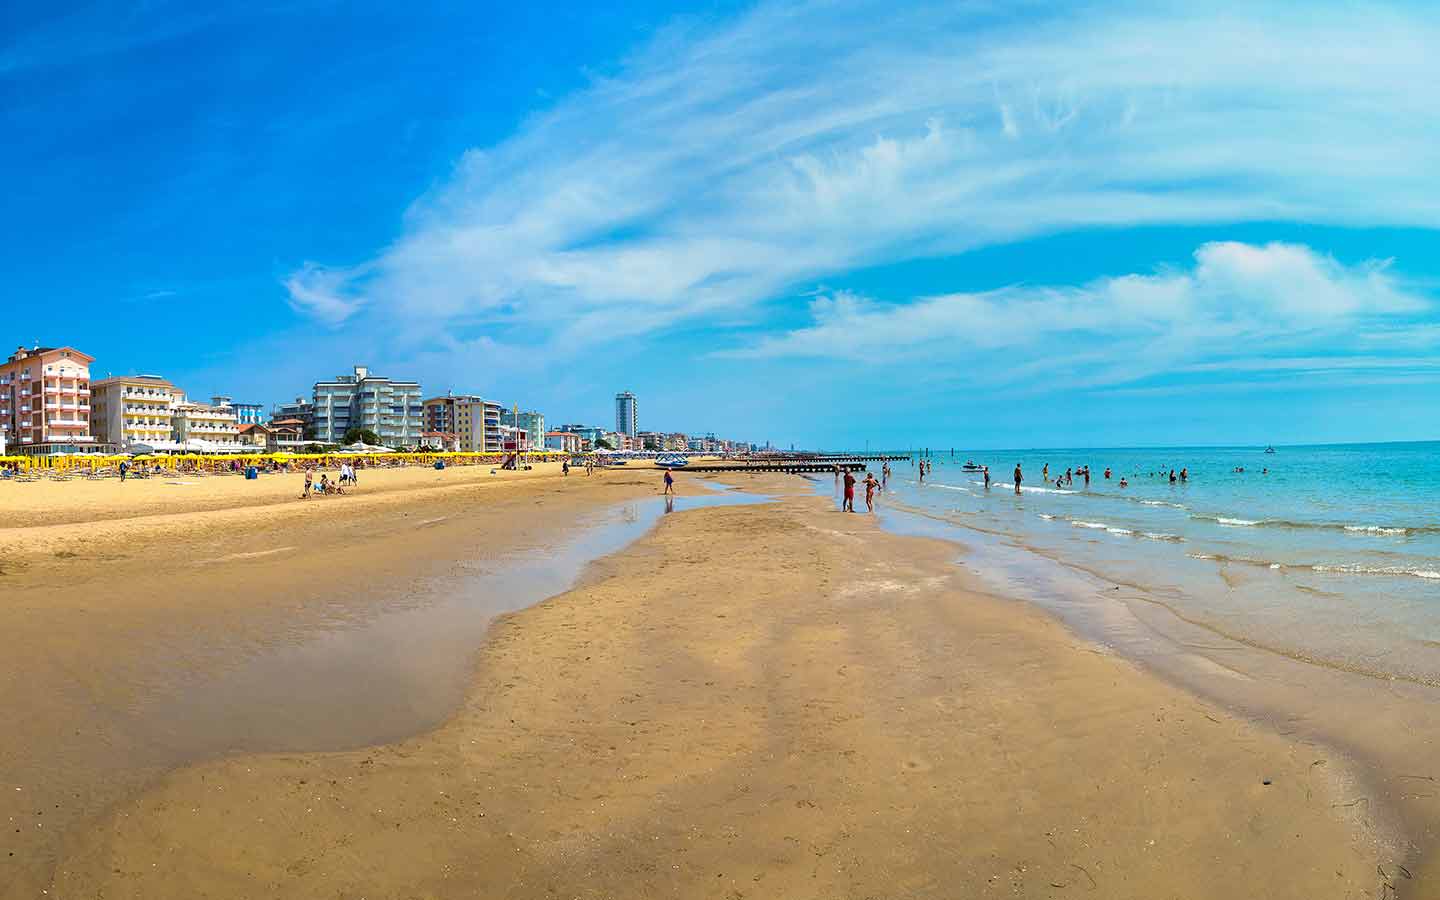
(795, 465)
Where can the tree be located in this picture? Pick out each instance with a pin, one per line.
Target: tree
(603, 444)
(361, 434)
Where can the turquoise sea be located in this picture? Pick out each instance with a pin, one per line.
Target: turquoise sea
(1329, 553)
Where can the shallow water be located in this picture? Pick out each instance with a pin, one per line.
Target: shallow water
(1330, 554)
(404, 669)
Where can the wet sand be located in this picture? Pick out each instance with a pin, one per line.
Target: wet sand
(1385, 729)
(775, 700)
(140, 644)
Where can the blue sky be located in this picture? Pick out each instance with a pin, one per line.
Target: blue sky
(979, 225)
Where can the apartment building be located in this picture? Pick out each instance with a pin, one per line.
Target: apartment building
(590, 435)
(564, 441)
(301, 410)
(192, 421)
(130, 410)
(473, 420)
(45, 400)
(392, 409)
(627, 413)
(532, 422)
(245, 413)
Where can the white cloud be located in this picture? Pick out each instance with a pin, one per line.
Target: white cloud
(722, 167)
(317, 291)
(1274, 297)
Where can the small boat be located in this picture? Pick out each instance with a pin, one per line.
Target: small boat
(671, 462)
(1269, 449)
(972, 466)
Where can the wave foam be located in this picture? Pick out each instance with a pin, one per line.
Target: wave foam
(1354, 569)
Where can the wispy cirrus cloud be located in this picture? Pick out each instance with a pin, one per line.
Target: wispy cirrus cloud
(1279, 298)
(318, 292)
(726, 164)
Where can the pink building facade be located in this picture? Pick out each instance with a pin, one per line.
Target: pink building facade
(45, 400)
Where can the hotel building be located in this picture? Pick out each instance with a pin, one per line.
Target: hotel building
(391, 409)
(565, 441)
(206, 422)
(134, 409)
(474, 421)
(532, 422)
(627, 413)
(245, 413)
(301, 410)
(45, 400)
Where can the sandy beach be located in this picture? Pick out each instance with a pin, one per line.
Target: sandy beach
(756, 700)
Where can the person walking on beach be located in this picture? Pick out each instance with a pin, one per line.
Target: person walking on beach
(309, 485)
(870, 485)
(669, 482)
(124, 470)
(849, 503)
(1018, 478)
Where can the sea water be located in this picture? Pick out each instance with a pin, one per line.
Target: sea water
(1330, 554)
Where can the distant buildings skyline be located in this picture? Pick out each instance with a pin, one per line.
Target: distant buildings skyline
(48, 404)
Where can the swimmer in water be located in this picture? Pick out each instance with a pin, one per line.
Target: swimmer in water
(1045, 473)
(1172, 476)
(1123, 482)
